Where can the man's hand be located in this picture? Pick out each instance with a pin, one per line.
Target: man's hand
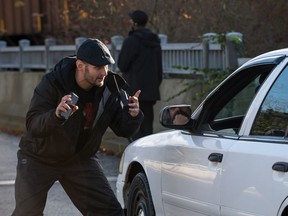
(63, 106)
(133, 104)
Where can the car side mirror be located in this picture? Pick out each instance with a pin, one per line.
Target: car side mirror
(176, 116)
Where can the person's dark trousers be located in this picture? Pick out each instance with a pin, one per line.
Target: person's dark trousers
(84, 182)
(147, 124)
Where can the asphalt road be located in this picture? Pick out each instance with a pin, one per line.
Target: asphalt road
(58, 203)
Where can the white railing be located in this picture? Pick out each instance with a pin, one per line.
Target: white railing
(190, 55)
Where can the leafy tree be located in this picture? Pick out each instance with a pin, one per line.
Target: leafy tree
(262, 22)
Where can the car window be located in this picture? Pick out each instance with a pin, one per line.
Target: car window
(227, 109)
(239, 104)
(272, 117)
(230, 117)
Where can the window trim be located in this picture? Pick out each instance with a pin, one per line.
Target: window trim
(265, 139)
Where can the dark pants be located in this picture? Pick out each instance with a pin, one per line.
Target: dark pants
(84, 182)
(147, 124)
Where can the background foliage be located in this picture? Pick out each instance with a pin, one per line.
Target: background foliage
(263, 23)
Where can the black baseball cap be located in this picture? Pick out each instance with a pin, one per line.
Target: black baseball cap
(94, 52)
(139, 16)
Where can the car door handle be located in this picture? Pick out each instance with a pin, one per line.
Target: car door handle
(280, 166)
(215, 157)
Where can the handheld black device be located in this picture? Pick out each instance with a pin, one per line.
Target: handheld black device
(123, 96)
(71, 103)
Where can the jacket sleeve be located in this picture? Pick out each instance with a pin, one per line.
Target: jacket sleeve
(125, 125)
(160, 66)
(128, 53)
(41, 119)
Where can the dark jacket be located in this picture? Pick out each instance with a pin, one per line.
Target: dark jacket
(140, 61)
(51, 140)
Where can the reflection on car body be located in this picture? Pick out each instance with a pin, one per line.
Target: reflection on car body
(228, 157)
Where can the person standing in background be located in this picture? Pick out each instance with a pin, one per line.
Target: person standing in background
(140, 61)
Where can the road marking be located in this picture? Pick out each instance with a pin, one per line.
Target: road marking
(7, 183)
(112, 178)
(12, 182)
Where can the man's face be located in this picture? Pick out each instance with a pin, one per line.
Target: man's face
(132, 25)
(95, 75)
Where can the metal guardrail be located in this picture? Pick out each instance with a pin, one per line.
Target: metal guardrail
(189, 55)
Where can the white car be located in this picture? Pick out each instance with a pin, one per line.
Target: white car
(229, 157)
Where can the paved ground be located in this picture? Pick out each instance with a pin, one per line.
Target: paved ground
(58, 203)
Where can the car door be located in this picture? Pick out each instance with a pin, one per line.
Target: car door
(192, 169)
(190, 182)
(255, 178)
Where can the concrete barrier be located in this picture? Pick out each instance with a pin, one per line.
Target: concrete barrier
(16, 90)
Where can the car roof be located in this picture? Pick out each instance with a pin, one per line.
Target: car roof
(275, 53)
(283, 51)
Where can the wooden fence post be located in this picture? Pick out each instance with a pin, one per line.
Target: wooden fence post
(163, 38)
(233, 46)
(206, 40)
(3, 43)
(22, 43)
(78, 42)
(48, 43)
(115, 41)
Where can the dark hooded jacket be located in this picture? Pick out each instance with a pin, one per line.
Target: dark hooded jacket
(55, 141)
(140, 61)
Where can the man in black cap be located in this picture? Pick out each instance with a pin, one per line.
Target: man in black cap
(140, 61)
(61, 147)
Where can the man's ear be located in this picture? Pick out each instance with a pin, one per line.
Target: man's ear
(134, 25)
(80, 64)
